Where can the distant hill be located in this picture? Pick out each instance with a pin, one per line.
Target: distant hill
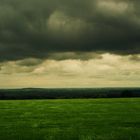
(68, 93)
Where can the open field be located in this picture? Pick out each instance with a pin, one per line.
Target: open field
(72, 119)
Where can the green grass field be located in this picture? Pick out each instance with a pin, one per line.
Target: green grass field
(79, 119)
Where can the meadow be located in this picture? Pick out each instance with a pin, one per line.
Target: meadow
(70, 119)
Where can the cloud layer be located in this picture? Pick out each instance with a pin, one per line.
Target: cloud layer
(106, 70)
(42, 28)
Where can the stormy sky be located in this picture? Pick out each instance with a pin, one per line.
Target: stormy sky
(69, 43)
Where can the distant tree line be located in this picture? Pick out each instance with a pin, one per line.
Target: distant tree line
(30, 93)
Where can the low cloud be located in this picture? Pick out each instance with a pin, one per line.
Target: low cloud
(109, 70)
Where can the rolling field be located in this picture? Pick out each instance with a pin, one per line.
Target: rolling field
(72, 119)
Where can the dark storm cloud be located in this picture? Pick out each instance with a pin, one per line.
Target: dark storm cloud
(39, 28)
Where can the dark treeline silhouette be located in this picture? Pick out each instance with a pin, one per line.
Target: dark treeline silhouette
(31, 93)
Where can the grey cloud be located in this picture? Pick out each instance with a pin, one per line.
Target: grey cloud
(29, 62)
(42, 28)
(135, 58)
(75, 55)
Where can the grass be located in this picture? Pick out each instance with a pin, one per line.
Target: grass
(79, 119)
